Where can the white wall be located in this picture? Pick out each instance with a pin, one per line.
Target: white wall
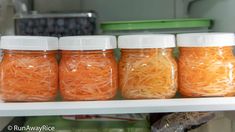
(57, 5)
(221, 11)
(110, 10)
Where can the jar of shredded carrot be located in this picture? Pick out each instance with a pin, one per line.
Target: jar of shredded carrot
(206, 64)
(88, 70)
(29, 69)
(147, 69)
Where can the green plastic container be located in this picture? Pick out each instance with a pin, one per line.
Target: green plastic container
(156, 26)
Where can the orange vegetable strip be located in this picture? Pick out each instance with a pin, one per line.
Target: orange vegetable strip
(207, 71)
(147, 73)
(28, 76)
(88, 75)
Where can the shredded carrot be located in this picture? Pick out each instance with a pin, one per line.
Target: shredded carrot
(147, 73)
(207, 71)
(28, 76)
(88, 75)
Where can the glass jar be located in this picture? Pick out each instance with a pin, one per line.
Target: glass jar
(206, 64)
(147, 69)
(29, 69)
(88, 70)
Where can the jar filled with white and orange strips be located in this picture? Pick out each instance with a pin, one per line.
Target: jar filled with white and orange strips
(29, 69)
(88, 69)
(206, 64)
(147, 69)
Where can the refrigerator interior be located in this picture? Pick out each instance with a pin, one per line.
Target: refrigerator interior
(221, 11)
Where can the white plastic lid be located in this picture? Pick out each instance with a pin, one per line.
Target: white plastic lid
(29, 43)
(146, 41)
(205, 39)
(87, 43)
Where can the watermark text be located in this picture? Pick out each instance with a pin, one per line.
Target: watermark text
(43, 128)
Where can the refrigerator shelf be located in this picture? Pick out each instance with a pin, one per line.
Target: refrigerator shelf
(118, 106)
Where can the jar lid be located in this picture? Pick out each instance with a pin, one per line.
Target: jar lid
(29, 43)
(87, 42)
(146, 41)
(205, 39)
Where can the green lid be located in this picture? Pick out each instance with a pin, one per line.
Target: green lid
(155, 24)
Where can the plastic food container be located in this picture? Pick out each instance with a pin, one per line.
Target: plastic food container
(29, 69)
(147, 68)
(56, 24)
(88, 70)
(156, 26)
(206, 64)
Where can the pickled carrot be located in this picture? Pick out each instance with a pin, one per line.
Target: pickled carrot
(88, 75)
(207, 71)
(28, 76)
(147, 73)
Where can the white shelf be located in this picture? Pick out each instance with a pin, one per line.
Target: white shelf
(118, 106)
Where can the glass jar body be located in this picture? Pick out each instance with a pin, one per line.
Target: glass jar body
(206, 71)
(88, 75)
(147, 73)
(28, 76)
